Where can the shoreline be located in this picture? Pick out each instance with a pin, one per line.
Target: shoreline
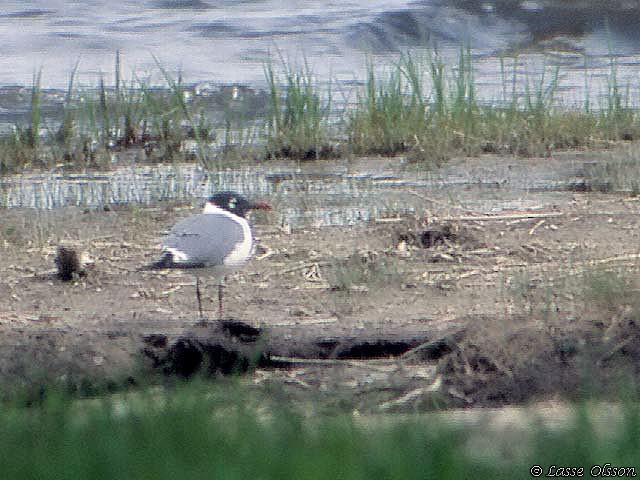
(503, 276)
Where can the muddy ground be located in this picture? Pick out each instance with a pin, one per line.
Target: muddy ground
(506, 293)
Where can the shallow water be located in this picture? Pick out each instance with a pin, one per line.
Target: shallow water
(317, 195)
(229, 41)
(218, 45)
(214, 45)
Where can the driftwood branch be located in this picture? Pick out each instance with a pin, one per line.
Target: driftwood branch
(489, 218)
(438, 202)
(229, 345)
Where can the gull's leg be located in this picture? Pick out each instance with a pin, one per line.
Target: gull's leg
(199, 296)
(220, 288)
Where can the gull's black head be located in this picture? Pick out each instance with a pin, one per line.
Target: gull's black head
(236, 203)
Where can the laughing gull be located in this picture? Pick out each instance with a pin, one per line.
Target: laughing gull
(216, 241)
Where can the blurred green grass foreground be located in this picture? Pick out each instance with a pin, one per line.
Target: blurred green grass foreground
(199, 430)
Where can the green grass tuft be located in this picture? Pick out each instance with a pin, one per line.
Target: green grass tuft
(366, 271)
(420, 107)
(297, 125)
(387, 119)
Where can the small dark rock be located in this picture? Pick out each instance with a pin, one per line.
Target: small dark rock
(437, 236)
(240, 330)
(327, 346)
(579, 187)
(68, 264)
(375, 349)
(188, 356)
(155, 340)
(184, 359)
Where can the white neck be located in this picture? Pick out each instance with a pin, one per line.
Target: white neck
(211, 208)
(243, 250)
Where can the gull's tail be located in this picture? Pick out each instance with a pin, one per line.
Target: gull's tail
(166, 261)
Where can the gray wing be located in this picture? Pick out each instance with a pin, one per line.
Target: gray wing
(204, 240)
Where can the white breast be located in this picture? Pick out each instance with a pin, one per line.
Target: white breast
(242, 251)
